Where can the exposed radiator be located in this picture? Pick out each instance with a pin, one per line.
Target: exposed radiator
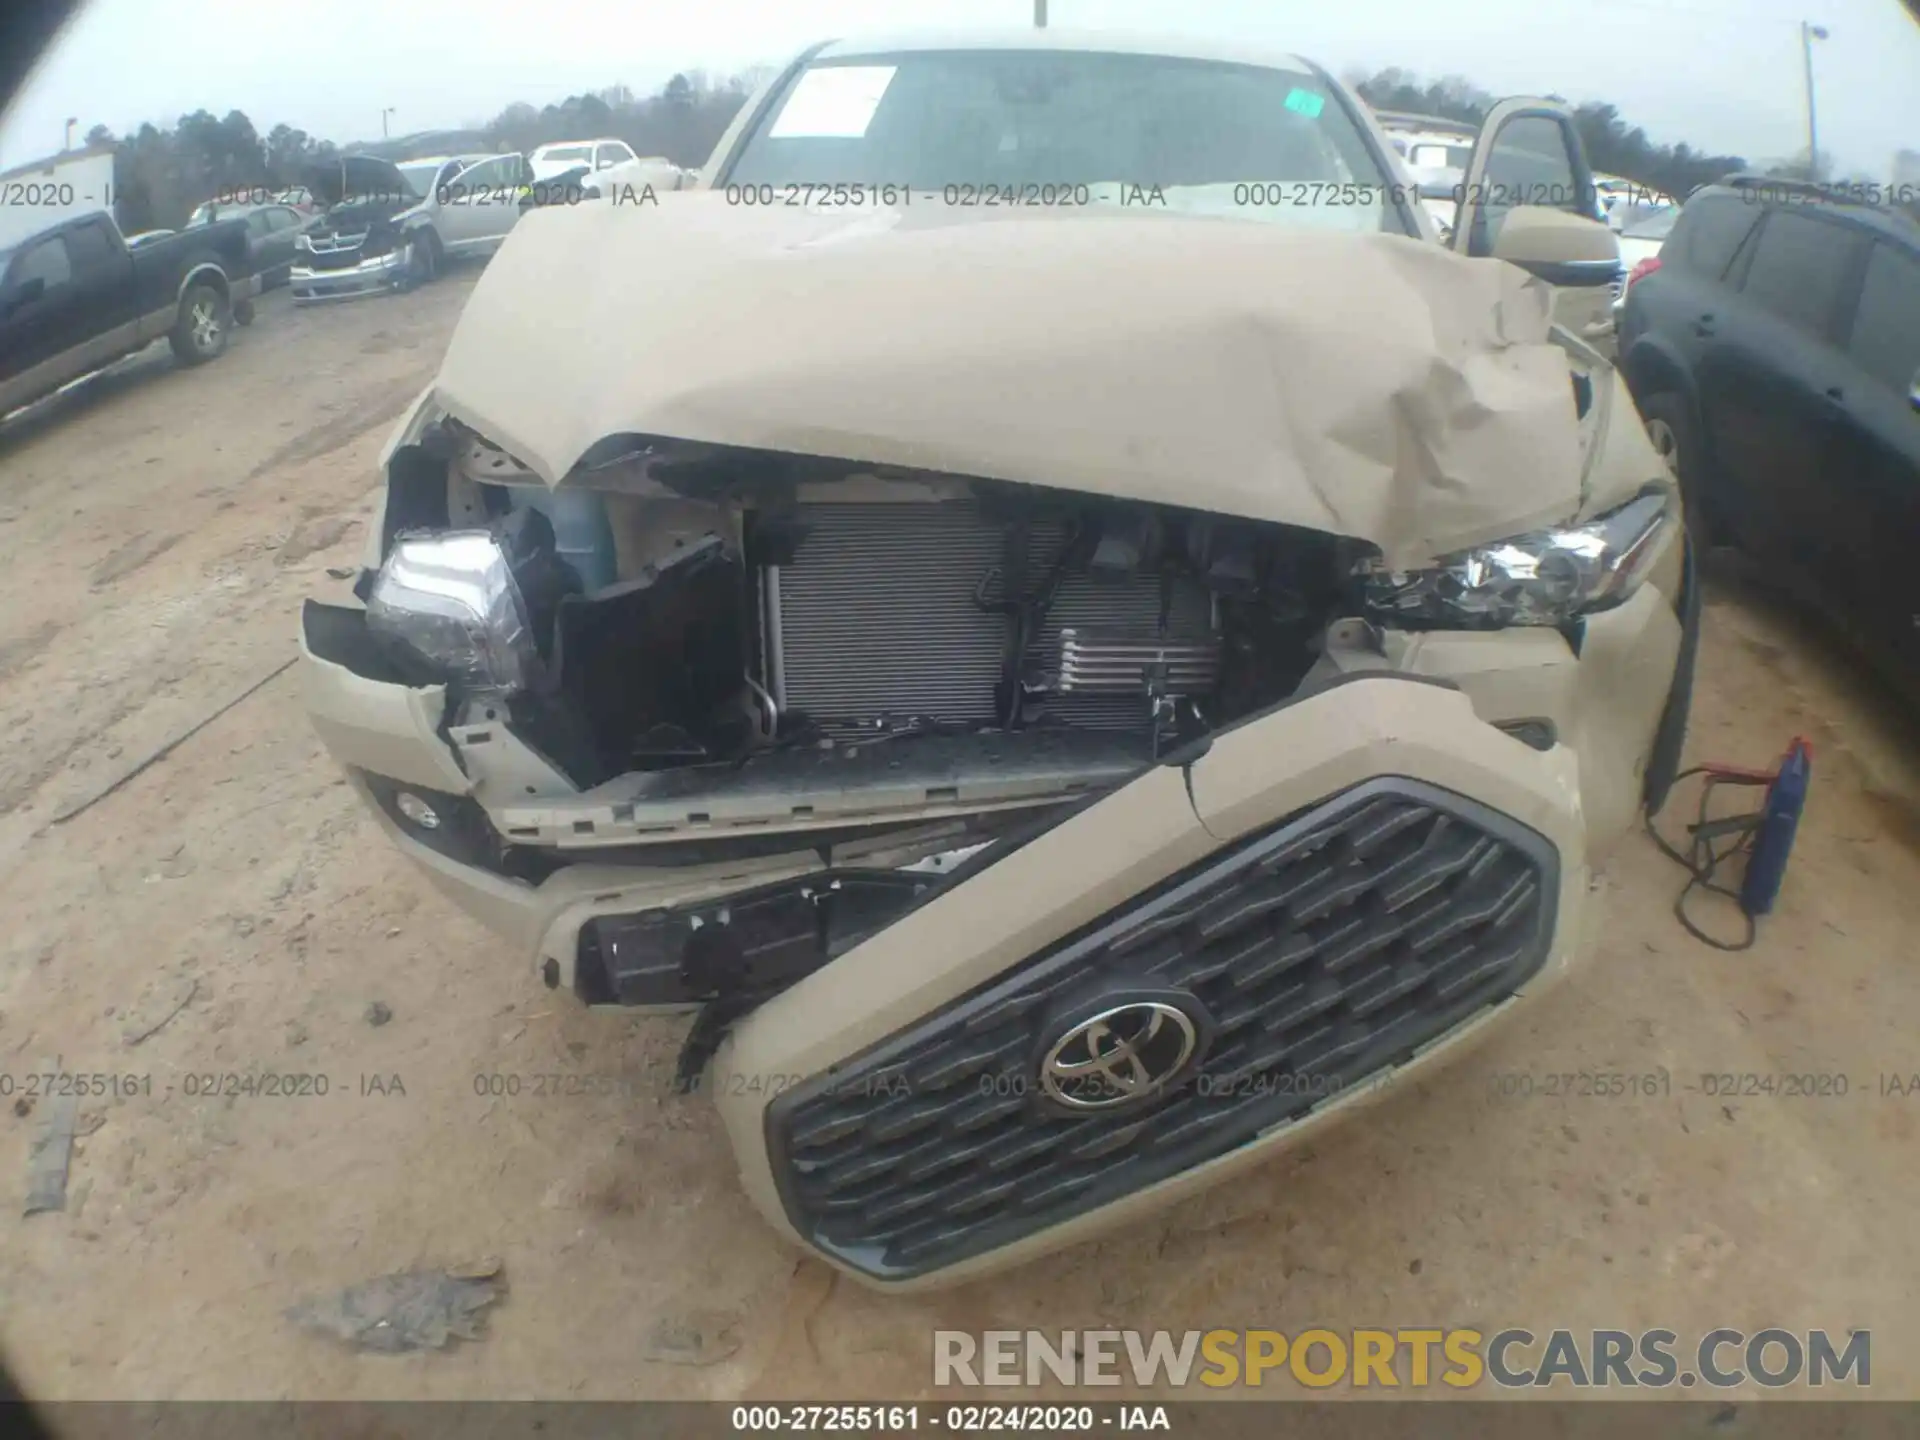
(875, 618)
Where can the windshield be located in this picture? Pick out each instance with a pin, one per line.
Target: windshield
(567, 152)
(419, 176)
(1215, 138)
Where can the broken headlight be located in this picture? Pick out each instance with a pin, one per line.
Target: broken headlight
(1545, 577)
(450, 607)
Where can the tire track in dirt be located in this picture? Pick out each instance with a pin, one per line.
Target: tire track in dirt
(131, 555)
(154, 604)
(382, 407)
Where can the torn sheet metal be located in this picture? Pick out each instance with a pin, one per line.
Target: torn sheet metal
(1368, 385)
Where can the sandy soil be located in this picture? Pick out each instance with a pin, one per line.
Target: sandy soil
(158, 528)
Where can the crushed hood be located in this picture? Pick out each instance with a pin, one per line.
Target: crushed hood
(1368, 385)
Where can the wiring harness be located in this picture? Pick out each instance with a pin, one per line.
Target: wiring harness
(1762, 838)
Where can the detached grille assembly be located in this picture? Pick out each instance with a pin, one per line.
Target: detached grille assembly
(1322, 951)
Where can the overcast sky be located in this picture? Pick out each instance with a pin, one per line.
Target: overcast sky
(1723, 75)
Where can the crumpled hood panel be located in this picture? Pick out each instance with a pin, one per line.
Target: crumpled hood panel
(1372, 386)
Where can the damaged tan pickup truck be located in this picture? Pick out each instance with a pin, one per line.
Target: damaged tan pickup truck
(1044, 607)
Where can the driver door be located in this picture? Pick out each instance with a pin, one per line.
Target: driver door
(41, 322)
(1528, 154)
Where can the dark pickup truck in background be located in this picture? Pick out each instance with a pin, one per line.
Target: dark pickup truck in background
(74, 299)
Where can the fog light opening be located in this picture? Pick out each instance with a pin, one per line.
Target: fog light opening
(417, 811)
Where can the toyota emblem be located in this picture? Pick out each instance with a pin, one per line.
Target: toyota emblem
(1120, 1056)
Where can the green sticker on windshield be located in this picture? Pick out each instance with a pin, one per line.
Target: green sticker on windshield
(1306, 102)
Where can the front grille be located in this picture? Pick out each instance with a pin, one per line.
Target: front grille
(1317, 953)
(342, 253)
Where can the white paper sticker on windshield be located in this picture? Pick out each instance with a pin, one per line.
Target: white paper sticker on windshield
(835, 102)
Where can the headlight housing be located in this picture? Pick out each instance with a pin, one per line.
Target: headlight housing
(1545, 577)
(450, 604)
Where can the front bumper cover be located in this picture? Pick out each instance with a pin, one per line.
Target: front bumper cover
(1413, 724)
(1340, 891)
(369, 277)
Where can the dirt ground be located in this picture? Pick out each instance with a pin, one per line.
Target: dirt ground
(158, 529)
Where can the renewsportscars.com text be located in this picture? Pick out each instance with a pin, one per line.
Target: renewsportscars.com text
(1405, 1358)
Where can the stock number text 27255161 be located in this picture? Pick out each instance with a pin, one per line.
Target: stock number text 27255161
(52, 1084)
(826, 197)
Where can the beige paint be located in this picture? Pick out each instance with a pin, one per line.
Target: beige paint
(1604, 703)
(1542, 233)
(1368, 385)
(1582, 794)
(1135, 837)
(1534, 234)
(1372, 386)
(386, 729)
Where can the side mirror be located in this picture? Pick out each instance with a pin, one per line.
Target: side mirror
(1561, 248)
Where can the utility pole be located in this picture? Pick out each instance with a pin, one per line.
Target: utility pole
(383, 119)
(1808, 34)
(1039, 14)
(67, 144)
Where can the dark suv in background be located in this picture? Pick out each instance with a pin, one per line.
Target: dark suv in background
(1774, 350)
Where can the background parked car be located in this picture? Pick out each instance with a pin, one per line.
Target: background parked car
(76, 297)
(388, 225)
(1774, 348)
(299, 198)
(273, 231)
(550, 161)
(1622, 201)
(1643, 229)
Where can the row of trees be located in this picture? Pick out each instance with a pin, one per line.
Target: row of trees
(161, 174)
(1613, 146)
(683, 121)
